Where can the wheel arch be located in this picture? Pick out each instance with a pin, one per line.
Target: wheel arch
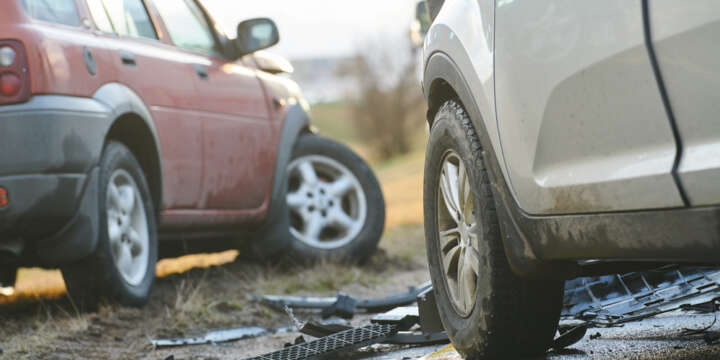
(273, 235)
(132, 125)
(443, 81)
(131, 130)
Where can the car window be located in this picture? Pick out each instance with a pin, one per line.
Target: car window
(100, 15)
(129, 18)
(57, 11)
(186, 25)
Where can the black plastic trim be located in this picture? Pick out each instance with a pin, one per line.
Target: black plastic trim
(665, 99)
(273, 236)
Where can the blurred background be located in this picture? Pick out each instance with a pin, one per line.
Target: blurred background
(357, 64)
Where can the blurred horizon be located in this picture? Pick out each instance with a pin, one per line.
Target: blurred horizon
(336, 29)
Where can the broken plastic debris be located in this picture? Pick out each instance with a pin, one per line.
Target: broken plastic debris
(215, 336)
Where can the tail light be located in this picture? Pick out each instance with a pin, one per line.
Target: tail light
(4, 201)
(14, 73)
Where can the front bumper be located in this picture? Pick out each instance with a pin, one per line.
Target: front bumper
(49, 150)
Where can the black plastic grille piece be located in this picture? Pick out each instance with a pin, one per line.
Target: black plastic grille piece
(343, 341)
(637, 294)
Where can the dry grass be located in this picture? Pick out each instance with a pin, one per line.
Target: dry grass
(193, 293)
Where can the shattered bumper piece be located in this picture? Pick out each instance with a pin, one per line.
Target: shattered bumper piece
(322, 303)
(614, 299)
(337, 343)
(215, 336)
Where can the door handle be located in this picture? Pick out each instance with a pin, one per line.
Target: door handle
(127, 58)
(201, 71)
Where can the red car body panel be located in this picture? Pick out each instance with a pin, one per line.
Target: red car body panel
(218, 137)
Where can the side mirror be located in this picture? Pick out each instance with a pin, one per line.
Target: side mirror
(256, 34)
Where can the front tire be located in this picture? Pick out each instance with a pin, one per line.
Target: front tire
(487, 310)
(122, 267)
(337, 210)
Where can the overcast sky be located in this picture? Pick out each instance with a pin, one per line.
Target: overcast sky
(320, 28)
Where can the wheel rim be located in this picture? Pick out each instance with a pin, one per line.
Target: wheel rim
(458, 233)
(326, 201)
(127, 227)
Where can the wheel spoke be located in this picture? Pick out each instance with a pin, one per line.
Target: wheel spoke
(124, 260)
(449, 238)
(136, 245)
(341, 186)
(296, 200)
(114, 196)
(464, 190)
(307, 172)
(338, 217)
(314, 226)
(450, 260)
(446, 190)
(466, 282)
(473, 260)
(114, 231)
(452, 173)
(461, 280)
(127, 198)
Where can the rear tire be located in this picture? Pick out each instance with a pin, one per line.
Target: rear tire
(8, 275)
(122, 267)
(487, 310)
(337, 210)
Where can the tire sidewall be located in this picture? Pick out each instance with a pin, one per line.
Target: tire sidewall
(464, 331)
(117, 156)
(365, 242)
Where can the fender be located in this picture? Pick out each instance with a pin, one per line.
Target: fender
(273, 235)
(550, 246)
(443, 81)
(79, 237)
(122, 101)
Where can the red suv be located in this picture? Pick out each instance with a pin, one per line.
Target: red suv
(122, 119)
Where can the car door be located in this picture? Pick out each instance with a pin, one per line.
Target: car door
(238, 151)
(162, 77)
(581, 120)
(685, 37)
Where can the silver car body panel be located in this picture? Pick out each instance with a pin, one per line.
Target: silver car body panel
(579, 111)
(685, 36)
(464, 31)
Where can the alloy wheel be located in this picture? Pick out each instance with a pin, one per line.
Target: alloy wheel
(127, 227)
(458, 233)
(327, 203)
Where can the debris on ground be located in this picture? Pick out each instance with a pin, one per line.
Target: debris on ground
(344, 341)
(342, 305)
(615, 299)
(214, 337)
(401, 325)
(235, 334)
(569, 335)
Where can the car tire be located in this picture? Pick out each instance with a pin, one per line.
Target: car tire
(8, 275)
(337, 209)
(487, 310)
(122, 267)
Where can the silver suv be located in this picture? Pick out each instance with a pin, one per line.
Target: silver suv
(568, 138)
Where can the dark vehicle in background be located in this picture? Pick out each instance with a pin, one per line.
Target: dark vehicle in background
(122, 120)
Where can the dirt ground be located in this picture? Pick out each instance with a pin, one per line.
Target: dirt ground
(193, 294)
(188, 304)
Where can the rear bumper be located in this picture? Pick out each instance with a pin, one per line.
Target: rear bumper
(49, 150)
